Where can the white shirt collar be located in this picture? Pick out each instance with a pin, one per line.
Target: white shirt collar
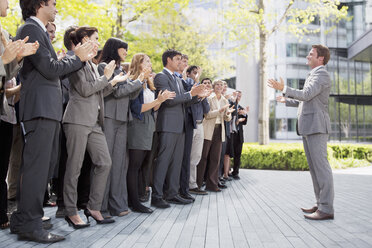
(39, 22)
(168, 71)
(314, 69)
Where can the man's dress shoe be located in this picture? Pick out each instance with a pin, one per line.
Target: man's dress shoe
(319, 215)
(40, 236)
(236, 177)
(309, 210)
(222, 186)
(179, 200)
(159, 203)
(187, 196)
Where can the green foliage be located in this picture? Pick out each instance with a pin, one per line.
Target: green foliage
(284, 156)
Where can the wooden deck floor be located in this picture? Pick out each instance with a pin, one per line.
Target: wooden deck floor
(260, 210)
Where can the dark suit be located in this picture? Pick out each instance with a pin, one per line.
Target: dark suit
(170, 124)
(238, 140)
(41, 112)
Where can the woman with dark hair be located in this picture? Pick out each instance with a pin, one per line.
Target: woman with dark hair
(83, 124)
(117, 115)
(141, 129)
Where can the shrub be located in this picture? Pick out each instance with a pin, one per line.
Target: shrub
(291, 156)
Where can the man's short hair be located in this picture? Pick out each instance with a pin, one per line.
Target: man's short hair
(204, 79)
(184, 56)
(322, 51)
(191, 68)
(66, 37)
(30, 7)
(170, 53)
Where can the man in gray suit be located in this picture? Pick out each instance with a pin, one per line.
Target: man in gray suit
(41, 113)
(314, 125)
(170, 125)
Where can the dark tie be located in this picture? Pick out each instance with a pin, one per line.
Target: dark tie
(176, 82)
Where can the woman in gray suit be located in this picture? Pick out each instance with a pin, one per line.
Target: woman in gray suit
(83, 124)
(117, 115)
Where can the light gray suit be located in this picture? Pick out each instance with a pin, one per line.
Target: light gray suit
(117, 115)
(314, 126)
(83, 122)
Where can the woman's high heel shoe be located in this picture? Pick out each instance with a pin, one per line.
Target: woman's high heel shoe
(75, 226)
(104, 221)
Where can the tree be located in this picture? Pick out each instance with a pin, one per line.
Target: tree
(251, 20)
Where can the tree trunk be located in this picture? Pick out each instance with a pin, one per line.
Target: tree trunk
(263, 116)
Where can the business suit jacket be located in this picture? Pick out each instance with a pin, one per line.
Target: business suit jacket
(86, 96)
(171, 114)
(41, 94)
(210, 118)
(312, 102)
(117, 103)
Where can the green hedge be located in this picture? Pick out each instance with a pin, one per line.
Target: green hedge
(291, 156)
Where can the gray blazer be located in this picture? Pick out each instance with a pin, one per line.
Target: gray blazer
(41, 94)
(87, 88)
(312, 102)
(171, 114)
(117, 103)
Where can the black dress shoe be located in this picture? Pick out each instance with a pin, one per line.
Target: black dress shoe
(159, 203)
(236, 177)
(40, 236)
(142, 209)
(187, 196)
(227, 178)
(75, 226)
(222, 186)
(221, 179)
(179, 200)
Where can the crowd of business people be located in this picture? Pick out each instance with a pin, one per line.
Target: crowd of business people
(102, 136)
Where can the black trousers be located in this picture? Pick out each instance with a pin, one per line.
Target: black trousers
(6, 134)
(238, 146)
(136, 160)
(40, 154)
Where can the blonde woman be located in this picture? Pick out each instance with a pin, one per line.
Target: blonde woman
(141, 129)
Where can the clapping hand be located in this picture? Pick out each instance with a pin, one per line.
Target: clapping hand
(87, 51)
(27, 49)
(197, 89)
(230, 110)
(280, 99)
(275, 84)
(222, 109)
(165, 95)
(61, 54)
(12, 48)
(120, 78)
(109, 69)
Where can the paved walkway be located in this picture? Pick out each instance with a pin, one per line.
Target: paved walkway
(260, 210)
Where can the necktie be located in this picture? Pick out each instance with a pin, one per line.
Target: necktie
(176, 82)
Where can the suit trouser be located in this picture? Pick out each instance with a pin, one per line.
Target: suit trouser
(196, 152)
(84, 178)
(185, 169)
(238, 146)
(115, 200)
(315, 147)
(15, 161)
(212, 150)
(81, 138)
(168, 164)
(222, 158)
(40, 154)
(6, 133)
